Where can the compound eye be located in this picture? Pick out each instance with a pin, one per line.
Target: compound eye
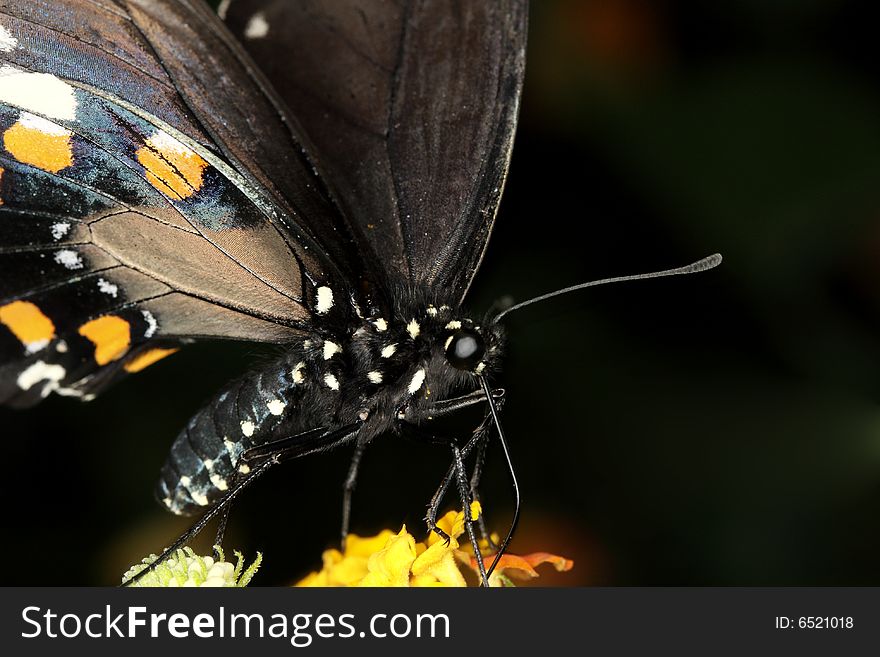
(465, 350)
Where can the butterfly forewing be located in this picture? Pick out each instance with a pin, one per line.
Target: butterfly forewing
(150, 192)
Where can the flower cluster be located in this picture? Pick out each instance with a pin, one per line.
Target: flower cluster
(390, 559)
(186, 568)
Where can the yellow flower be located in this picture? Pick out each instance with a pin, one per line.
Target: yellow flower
(390, 559)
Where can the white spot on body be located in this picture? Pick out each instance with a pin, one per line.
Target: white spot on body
(244, 468)
(479, 368)
(60, 230)
(331, 382)
(298, 376)
(8, 42)
(448, 342)
(413, 329)
(61, 347)
(276, 407)
(37, 92)
(257, 27)
(453, 325)
(432, 311)
(234, 449)
(152, 324)
(219, 482)
(108, 288)
(41, 371)
(374, 376)
(388, 351)
(417, 381)
(330, 348)
(380, 324)
(325, 300)
(248, 428)
(69, 259)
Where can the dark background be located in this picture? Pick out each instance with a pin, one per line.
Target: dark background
(722, 429)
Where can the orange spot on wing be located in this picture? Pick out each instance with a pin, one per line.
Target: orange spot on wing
(172, 168)
(28, 323)
(111, 336)
(47, 150)
(144, 360)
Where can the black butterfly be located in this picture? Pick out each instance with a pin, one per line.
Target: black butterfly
(331, 190)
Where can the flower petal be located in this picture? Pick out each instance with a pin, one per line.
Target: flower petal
(523, 566)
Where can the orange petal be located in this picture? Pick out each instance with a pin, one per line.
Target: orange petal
(524, 565)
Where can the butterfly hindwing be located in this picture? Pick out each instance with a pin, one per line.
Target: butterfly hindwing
(418, 140)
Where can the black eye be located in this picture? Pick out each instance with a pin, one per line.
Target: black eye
(465, 350)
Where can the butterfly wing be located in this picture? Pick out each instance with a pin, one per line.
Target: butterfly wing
(412, 105)
(151, 192)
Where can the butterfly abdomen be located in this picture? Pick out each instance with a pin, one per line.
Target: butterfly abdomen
(205, 456)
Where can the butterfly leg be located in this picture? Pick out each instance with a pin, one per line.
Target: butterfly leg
(348, 488)
(464, 492)
(479, 435)
(481, 443)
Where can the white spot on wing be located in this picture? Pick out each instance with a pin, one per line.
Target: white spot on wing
(330, 348)
(37, 92)
(108, 288)
(453, 325)
(8, 42)
(222, 8)
(248, 428)
(374, 376)
(325, 300)
(41, 371)
(276, 406)
(479, 368)
(70, 259)
(61, 347)
(257, 27)
(432, 311)
(152, 324)
(380, 324)
(448, 342)
(413, 329)
(36, 345)
(219, 482)
(388, 351)
(185, 481)
(298, 376)
(331, 382)
(244, 468)
(162, 141)
(417, 381)
(39, 124)
(60, 230)
(199, 498)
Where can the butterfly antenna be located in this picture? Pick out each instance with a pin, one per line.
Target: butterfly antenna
(701, 265)
(516, 496)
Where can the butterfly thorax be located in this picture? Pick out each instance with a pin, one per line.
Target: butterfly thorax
(374, 371)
